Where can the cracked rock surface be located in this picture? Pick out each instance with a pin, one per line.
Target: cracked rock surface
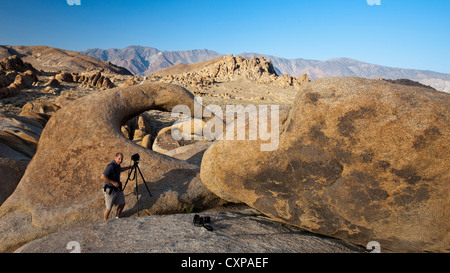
(240, 231)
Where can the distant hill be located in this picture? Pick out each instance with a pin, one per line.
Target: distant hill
(55, 59)
(145, 60)
(345, 67)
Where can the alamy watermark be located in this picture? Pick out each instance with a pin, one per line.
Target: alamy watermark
(236, 129)
(374, 246)
(374, 2)
(74, 2)
(74, 246)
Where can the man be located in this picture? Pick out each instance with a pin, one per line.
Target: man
(112, 187)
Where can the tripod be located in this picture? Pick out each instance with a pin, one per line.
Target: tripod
(134, 170)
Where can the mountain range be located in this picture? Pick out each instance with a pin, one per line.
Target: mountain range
(145, 60)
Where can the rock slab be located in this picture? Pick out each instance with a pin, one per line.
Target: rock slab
(244, 231)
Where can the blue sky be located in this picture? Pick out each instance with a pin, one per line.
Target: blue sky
(399, 33)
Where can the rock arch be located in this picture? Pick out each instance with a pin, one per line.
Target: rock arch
(61, 187)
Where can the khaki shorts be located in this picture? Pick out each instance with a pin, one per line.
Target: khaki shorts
(113, 199)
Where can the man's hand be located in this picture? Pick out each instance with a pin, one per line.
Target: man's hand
(114, 183)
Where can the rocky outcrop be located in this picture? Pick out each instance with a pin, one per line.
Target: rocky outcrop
(96, 80)
(130, 82)
(192, 153)
(41, 111)
(89, 80)
(11, 172)
(61, 187)
(360, 160)
(52, 83)
(15, 75)
(242, 231)
(65, 77)
(228, 68)
(15, 63)
(257, 69)
(138, 127)
(165, 142)
(19, 136)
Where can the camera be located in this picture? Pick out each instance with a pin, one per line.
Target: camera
(201, 220)
(135, 157)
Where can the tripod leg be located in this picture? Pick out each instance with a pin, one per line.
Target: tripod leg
(129, 175)
(137, 192)
(143, 180)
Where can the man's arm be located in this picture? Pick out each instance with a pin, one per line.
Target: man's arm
(125, 168)
(105, 178)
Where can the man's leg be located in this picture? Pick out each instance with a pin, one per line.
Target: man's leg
(108, 203)
(120, 201)
(119, 209)
(106, 214)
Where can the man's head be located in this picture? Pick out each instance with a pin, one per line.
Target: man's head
(118, 158)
